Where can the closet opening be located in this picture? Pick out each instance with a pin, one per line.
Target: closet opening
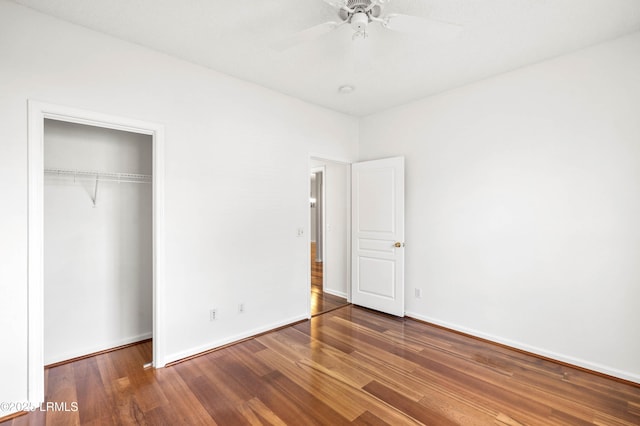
(75, 188)
(98, 275)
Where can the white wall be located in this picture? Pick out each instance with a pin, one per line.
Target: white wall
(523, 206)
(97, 260)
(237, 178)
(337, 210)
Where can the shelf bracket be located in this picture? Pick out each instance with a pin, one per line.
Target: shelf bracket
(95, 191)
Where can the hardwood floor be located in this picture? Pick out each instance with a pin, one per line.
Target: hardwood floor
(321, 302)
(347, 366)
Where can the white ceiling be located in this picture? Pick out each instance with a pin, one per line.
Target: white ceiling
(392, 68)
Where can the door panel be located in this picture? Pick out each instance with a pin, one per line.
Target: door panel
(376, 194)
(378, 224)
(374, 276)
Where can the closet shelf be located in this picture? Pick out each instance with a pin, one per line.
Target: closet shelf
(97, 177)
(100, 176)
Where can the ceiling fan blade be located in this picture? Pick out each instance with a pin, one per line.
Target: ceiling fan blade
(338, 4)
(422, 26)
(305, 36)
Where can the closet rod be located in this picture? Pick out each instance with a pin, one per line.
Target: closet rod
(102, 176)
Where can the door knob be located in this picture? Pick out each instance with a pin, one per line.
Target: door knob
(398, 244)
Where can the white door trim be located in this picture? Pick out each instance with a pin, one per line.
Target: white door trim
(37, 113)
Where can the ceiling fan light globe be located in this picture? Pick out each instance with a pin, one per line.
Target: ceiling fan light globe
(359, 21)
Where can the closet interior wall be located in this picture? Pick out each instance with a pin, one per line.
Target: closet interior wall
(97, 258)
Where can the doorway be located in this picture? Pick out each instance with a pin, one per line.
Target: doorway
(329, 240)
(38, 112)
(97, 240)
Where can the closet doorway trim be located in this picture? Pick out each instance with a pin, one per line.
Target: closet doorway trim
(37, 113)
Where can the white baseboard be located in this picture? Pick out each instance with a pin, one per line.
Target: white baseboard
(335, 292)
(231, 339)
(625, 375)
(97, 348)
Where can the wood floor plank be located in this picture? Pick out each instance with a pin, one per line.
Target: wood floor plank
(62, 389)
(459, 411)
(186, 409)
(344, 395)
(218, 371)
(325, 387)
(259, 414)
(263, 390)
(280, 404)
(563, 418)
(369, 346)
(249, 359)
(485, 393)
(401, 380)
(321, 301)
(161, 415)
(363, 321)
(368, 419)
(368, 363)
(347, 366)
(91, 391)
(210, 395)
(325, 336)
(321, 362)
(121, 393)
(602, 418)
(133, 390)
(401, 403)
(320, 412)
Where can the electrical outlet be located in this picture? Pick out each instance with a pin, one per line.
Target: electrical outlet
(241, 308)
(418, 293)
(300, 232)
(213, 314)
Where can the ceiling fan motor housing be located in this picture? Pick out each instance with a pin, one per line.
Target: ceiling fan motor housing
(359, 6)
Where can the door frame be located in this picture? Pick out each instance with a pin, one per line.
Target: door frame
(323, 229)
(37, 113)
(342, 161)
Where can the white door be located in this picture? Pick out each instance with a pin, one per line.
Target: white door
(377, 218)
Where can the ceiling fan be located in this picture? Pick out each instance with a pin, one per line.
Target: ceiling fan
(359, 14)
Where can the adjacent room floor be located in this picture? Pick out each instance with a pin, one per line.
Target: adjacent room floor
(321, 301)
(350, 365)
